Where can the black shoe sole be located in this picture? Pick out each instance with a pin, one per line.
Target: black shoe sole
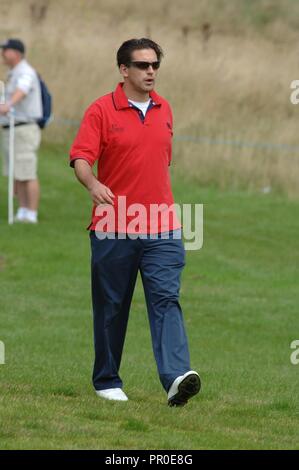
(189, 387)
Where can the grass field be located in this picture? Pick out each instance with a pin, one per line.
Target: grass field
(240, 299)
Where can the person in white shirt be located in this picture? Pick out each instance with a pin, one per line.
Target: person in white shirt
(23, 98)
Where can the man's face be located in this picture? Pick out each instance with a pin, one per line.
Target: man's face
(10, 57)
(141, 80)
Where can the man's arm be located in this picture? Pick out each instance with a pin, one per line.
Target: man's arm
(17, 96)
(99, 193)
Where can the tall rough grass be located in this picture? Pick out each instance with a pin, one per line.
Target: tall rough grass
(227, 73)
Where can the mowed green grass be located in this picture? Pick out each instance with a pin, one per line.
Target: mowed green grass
(240, 299)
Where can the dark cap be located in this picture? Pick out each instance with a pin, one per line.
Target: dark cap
(15, 44)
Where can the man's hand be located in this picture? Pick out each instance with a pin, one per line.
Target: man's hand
(4, 108)
(100, 194)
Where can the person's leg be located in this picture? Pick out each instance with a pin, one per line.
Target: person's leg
(27, 140)
(33, 192)
(27, 193)
(114, 267)
(161, 266)
(21, 193)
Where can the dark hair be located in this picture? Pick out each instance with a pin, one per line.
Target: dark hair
(124, 52)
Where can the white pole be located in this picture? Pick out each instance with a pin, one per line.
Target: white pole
(11, 167)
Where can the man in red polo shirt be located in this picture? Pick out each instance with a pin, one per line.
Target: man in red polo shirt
(134, 226)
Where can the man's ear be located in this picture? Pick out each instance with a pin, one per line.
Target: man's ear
(123, 70)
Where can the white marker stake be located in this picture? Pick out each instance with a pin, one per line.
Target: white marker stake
(11, 167)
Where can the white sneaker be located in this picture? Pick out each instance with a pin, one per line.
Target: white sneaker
(112, 394)
(31, 217)
(21, 214)
(183, 387)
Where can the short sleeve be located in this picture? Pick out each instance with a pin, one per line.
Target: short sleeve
(25, 82)
(87, 143)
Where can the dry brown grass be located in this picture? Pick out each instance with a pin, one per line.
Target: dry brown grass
(232, 83)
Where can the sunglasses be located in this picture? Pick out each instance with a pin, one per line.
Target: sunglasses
(144, 65)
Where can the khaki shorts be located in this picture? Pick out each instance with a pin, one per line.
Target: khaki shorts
(26, 144)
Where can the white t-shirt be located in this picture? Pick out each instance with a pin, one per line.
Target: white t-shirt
(142, 105)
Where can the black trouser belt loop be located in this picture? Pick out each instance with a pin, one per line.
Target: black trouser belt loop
(6, 126)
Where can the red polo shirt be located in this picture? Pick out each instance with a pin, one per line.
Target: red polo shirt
(133, 156)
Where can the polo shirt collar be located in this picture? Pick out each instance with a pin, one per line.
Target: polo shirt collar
(121, 101)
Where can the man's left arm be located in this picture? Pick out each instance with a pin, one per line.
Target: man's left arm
(23, 87)
(17, 96)
(171, 130)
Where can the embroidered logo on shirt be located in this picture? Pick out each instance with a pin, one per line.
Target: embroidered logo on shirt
(116, 128)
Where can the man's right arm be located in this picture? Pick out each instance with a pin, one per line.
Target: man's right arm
(99, 193)
(84, 152)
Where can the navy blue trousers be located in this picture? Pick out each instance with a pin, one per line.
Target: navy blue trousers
(114, 265)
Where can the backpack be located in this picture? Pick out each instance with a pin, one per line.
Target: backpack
(46, 104)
